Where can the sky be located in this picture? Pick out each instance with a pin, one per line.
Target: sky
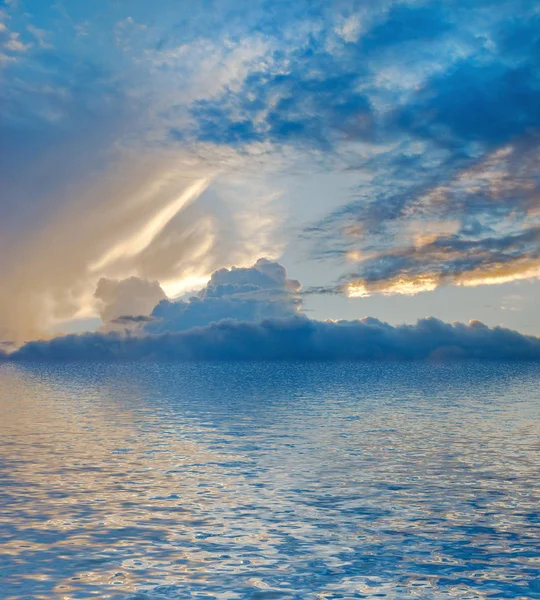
(373, 160)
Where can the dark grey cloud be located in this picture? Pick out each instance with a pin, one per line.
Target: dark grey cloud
(296, 338)
(129, 319)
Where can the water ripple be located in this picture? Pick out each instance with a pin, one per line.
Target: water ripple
(287, 480)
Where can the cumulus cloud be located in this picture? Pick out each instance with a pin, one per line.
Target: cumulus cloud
(296, 338)
(244, 294)
(132, 297)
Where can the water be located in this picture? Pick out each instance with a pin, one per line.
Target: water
(284, 480)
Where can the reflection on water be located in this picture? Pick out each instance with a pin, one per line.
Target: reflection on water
(305, 481)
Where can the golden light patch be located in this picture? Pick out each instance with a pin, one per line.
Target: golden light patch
(403, 285)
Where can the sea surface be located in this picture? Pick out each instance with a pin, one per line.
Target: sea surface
(270, 480)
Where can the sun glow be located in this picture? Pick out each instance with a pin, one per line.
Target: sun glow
(403, 286)
(174, 288)
(427, 283)
(135, 244)
(504, 274)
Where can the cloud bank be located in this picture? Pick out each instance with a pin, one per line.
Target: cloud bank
(255, 314)
(295, 338)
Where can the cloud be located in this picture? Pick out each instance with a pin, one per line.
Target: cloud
(133, 296)
(93, 186)
(306, 97)
(328, 83)
(430, 106)
(136, 222)
(478, 227)
(139, 241)
(131, 320)
(255, 314)
(244, 294)
(41, 36)
(436, 106)
(11, 43)
(450, 259)
(296, 338)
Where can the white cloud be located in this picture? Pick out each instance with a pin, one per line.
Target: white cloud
(15, 44)
(350, 28)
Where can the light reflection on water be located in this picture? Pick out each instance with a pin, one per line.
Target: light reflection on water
(285, 480)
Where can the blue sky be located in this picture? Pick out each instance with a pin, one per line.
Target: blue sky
(386, 153)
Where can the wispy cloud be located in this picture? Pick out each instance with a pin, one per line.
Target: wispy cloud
(140, 240)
